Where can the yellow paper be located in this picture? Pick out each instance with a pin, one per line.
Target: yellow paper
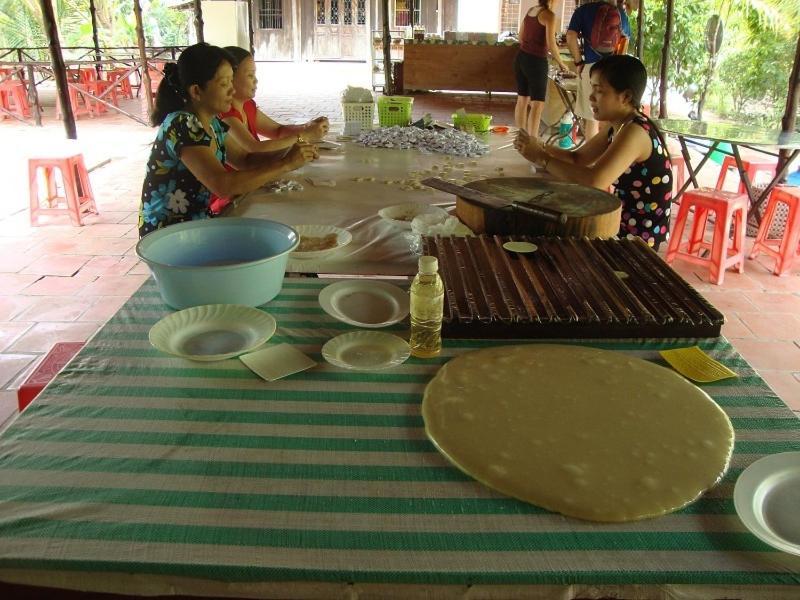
(696, 365)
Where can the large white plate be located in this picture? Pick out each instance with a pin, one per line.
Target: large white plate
(212, 331)
(767, 500)
(365, 303)
(343, 237)
(401, 215)
(366, 351)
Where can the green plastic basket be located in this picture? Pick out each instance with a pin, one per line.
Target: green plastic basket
(479, 122)
(394, 110)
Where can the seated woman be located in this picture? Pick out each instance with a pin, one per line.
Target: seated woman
(191, 147)
(630, 154)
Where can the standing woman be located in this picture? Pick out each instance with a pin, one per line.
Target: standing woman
(629, 154)
(537, 35)
(191, 146)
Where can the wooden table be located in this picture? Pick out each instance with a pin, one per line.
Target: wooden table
(143, 473)
(459, 66)
(699, 134)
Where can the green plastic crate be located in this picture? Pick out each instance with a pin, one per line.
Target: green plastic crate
(394, 110)
(479, 122)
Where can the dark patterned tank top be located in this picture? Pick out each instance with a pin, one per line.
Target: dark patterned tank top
(645, 189)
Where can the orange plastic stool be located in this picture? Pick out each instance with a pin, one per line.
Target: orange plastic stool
(80, 101)
(678, 172)
(60, 354)
(730, 209)
(785, 249)
(752, 167)
(77, 198)
(14, 98)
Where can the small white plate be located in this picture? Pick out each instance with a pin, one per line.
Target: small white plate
(366, 351)
(767, 500)
(365, 303)
(212, 332)
(401, 215)
(520, 247)
(343, 237)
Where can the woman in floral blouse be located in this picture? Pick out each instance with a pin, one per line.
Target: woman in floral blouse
(191, 147)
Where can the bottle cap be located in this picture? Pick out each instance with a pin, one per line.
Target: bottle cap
(428, 265)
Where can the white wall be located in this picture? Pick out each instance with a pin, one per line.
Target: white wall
(479, 15)
(224, 23)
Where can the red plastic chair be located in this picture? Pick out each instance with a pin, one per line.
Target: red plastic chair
(784, 250)
(752, 166)
(77, 198)
(14, 98)
(121, 79)
(730, 209)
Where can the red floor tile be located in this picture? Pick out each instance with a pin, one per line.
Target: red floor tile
(108, 230)
(113, 285)
(15, 261)
(11, 306)
(55, 308)
(42, 336)
(10, 332)
(11, 365)
(775, 326)
(732, 301)
(773, 355)
(8, 408)
(775, 302)
(103, 309)
(786, 384)
(110, 265)
(57, 286)
(13, 283)
(64, 265)
(734, 328)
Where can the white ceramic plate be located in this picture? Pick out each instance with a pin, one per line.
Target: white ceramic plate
(212, 332)
(767, 500)
(365, 303)
(401, 215)
(366, 351)
(343, 237)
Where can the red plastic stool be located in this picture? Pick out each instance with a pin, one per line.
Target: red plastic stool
(77, 198)
(785, 249)
(60, 354)
(752, 167)
(81, 103)
(730, 209)
(678, 171)
(14, 98)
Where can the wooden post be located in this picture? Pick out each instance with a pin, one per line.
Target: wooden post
(662, 88)
(388, 86)
(33, 97)
(198, 21)
(137, 11)
(640, 32)
(59, 69)
(789, 120)
(93, 13)
(250, 28)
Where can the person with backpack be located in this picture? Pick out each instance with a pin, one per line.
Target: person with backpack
(630, 155)
(601, 26)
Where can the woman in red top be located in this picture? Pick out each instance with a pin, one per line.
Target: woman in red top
(536, 36)
(245, 121)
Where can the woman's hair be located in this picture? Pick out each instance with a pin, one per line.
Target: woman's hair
(238, 54)
(197, 65)
(626, 73)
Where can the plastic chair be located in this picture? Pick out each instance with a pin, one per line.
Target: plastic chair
(97, 87)
(77, 199)
(14, 98)
(784, 249)
(752, 166)
(121, 79)
(730, 209)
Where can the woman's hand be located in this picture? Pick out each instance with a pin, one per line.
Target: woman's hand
(529, 147)
(317, 129)
(300, 154)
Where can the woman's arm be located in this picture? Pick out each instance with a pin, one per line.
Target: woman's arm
(256, 169)
(243, 138)
(550, 36)
(632, 144)
(314, 130)
(585, 155)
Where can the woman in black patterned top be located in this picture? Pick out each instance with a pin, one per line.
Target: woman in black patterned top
(191, 147)
(631, 155)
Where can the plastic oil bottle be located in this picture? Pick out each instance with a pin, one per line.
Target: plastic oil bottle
(564, 129)
(427, 308)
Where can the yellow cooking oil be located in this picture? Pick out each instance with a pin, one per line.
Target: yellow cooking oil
(427, 308)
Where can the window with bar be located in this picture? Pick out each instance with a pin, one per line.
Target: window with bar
(407, 12)
(334, 12)
(361, 12)
(320, 12)
(270, 14)
(347, 12)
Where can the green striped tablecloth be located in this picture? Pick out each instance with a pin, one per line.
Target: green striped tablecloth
(142, 472)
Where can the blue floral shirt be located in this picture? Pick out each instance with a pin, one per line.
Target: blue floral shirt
(171, 193)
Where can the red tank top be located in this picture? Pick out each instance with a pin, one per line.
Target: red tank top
(250, 109)
(534, 36)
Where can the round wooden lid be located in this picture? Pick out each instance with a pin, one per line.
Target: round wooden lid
(570, 198)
